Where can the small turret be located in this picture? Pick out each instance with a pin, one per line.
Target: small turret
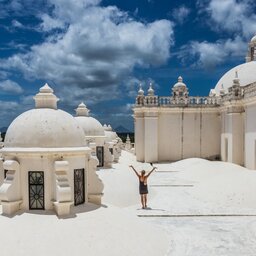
(46, 98)
(82, 110)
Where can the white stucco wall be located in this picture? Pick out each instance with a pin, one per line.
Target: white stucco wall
(169, 136)
(188, 133)
(151, 137)
(250, 137)
(210, 134)
(139, 138)
(191, 145)
(45, 163)
(232, 138)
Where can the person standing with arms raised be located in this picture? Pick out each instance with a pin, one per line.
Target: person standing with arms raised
(143, 186)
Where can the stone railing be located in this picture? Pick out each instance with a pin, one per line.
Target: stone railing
(155, 101)
(249, 90)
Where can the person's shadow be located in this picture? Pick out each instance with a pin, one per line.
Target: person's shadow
(151, 209)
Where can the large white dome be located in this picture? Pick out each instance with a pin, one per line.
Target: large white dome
(246, 75)
(90, 125)
(44, 128)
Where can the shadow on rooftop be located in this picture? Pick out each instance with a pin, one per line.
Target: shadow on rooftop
(75, 210)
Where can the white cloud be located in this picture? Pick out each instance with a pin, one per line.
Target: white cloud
(10, 8)
(17, 24)
(10, 87)
(232, 15)
(88, 53)
(180, 14)
(99, 48)
(208, 55)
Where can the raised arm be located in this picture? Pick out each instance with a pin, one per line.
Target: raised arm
(150, 172)
(135, 171)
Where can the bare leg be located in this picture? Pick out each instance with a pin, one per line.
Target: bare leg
(142, 200)
(145, 200)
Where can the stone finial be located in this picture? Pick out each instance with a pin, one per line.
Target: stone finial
(46, 98)
(128, 143)
(141, 92)
(82, 110)
(222, 90)
(150, 90)
(236, 81)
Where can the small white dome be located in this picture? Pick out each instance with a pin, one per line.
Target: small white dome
(44, 128)
(246, 74)
(253, 40)
(90, 125)
(180, 82)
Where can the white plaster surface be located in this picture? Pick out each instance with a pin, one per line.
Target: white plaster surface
(202, 210)
(196, 208)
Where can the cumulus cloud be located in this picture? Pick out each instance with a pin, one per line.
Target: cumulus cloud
(208, 55)
(180, 14)
(88, 53)
(9, 8)
(98, 49)
(10, 87)
(231, 15)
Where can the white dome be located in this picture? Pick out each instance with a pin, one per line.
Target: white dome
(44, 128)
(90, 125)
(246, 75)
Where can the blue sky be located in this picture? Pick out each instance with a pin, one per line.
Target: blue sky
(99, 51)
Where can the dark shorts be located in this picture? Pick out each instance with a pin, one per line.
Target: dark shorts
(143, 189)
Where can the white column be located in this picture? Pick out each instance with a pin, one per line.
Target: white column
(151, 137)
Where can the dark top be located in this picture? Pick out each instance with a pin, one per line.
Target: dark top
(143, 188)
